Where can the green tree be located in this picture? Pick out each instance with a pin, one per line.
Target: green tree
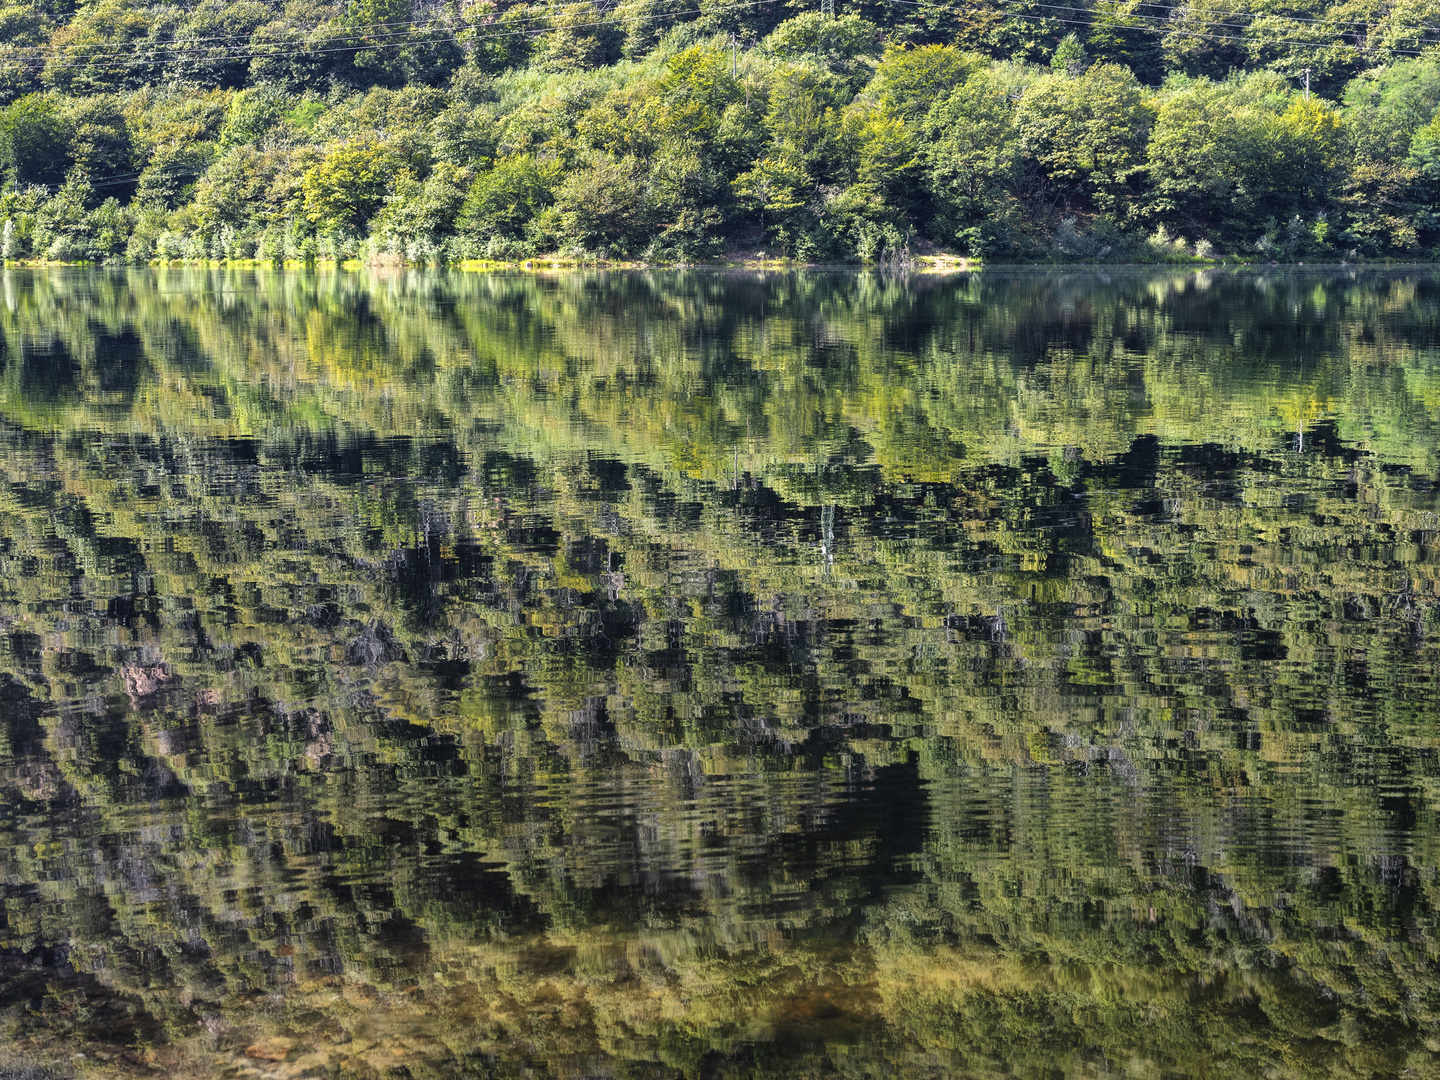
(912, 80)
(1070, 57)
(688, 198)
(887, 156)
(295, 50)
(418, 216)
(61, 231)
(84, 51)
(345, 189)
(100, 140)
(1086, 135)
(502, 201)
(252, 114)
(1124, 33)
(847, 46)
(603, 206)
(24, 30)
(802, 118)
(212, 29)
(1385, 106)
(35, 140)
(1225, 158)
(776, 188)
(973, 164)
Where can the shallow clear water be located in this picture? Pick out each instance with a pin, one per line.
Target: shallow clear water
(698, 674)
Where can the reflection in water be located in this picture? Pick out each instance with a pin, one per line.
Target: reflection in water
(705, 675)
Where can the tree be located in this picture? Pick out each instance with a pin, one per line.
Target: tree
(502, 201)
(1213, 160)
(35, 140)
(911, 81)
(100, 142)
(252, 113)
(422, 212)
(1070, 57)
(972, 162)
(886, 150)
(211, 30)
(1385, 106)
(776, 187)
(846, 46)
(345, 189)
(802, 119)
(23, 33)
(603, 206)
(82, 50)
(1124, 33)
(1087, 134)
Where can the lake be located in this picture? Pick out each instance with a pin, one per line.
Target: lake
(702, 674)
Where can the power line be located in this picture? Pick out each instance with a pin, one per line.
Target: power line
(1177, 26)
(127, 178)
(40, 52)
(254, 51)
(1276, 15)
(299, 37)
(1167, 30)
(360, 28)
(1166, 26)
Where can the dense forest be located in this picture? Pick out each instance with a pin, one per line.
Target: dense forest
(676, 674)
(661, 130)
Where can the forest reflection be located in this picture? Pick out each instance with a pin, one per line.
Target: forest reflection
(692, 674)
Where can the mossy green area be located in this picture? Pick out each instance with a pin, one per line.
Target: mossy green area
(679, 674)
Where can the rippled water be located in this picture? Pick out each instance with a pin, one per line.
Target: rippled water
(705, 675)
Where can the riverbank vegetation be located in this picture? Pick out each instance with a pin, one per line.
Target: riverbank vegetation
(653, 130)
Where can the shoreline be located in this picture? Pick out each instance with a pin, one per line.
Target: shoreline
(927, 264)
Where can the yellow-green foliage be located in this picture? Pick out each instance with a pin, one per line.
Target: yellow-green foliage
(963, 675)
(671, 135)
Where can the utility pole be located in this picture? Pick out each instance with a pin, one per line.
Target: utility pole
(734, 49)
(1307, 84)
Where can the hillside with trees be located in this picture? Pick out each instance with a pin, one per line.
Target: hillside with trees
(665, 130)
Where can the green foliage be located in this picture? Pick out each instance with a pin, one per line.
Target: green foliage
(417, 216)
(212, 27)
(502, 202)
(1224, 159)
(101, 144)
(110, 45)
(1086, 134)
(345, 188)
(1070, 57)
(23, 30)
(822, 135)
(913, 80)
(973, 162)
(776, 188)
(75, 226)
(608, 672)
(294, 49)
(848, 46)
(35, 137)
(1425, 152)
(253, 113)
(1123, 33)
(1385, 106)
(803, 119)
(603, 203)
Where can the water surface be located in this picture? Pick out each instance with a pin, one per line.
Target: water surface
(705, 675)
